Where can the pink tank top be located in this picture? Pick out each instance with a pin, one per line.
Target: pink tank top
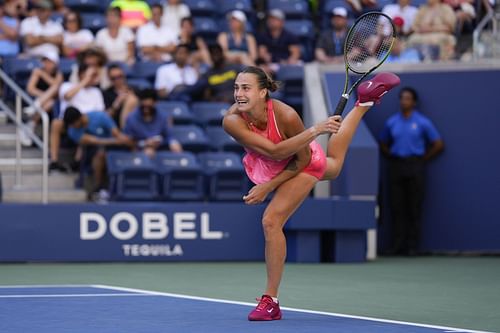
(259, 168)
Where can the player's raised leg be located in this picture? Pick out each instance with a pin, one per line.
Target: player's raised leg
(369, 93)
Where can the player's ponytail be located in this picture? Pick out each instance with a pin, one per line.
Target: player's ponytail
(264, 79)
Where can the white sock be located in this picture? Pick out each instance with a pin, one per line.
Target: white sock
(275, 299)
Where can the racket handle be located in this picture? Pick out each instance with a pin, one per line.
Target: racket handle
(341, 106)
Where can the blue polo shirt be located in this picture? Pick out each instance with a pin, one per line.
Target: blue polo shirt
(409, 136)
(9, 47)
(100, 124)
(138, 129)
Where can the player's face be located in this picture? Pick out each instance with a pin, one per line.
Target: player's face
(406, 101)
(247, 93)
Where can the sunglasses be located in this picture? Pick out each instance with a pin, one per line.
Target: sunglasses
(116, 77)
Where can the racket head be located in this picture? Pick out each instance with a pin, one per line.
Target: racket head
(369, 42)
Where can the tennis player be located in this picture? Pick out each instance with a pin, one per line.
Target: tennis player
(282, 156)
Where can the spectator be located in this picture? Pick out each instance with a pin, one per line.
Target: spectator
(404, 10)
(16, 8)
(134, 13)
(94, 131)
(43, 85)
(119, 99)
(276, 45)
(148, 127)
(197, 46)
(75, 39)
(82, 95)
(156, 42)
(173, 78)
(435, 25)
(360, 7)
(116, 41)
(9, 36)
(93, 56)
(41, 34)
(239, 46)
(217, 83)
(409, 140)
(330, 46)
(173, 12)
(465, 13)
(60, 7)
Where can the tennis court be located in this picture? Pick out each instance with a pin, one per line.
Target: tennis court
(389, 295)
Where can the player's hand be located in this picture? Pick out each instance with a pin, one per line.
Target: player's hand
(330, 125)
(257, 194)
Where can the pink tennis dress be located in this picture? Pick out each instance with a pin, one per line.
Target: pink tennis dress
(261, 169)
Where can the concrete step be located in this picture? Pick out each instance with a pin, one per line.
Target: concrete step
(57, 181)
(7, 140)
(25, 153)
(7, 129)
(27, 164)
(34, 195)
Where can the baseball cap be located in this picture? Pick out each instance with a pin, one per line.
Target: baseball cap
(239, 15)
(277, 13)
(43, 4)
(52, 56)
(398, 21)
(339, 11)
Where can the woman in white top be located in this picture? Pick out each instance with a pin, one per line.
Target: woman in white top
(239, 46)
(75, 39)
(116, 41)
(173, 12)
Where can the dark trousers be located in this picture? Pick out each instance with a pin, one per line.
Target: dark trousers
(406, 194)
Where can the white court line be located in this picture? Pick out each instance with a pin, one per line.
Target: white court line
(331, 314)
(28, 286)
(69, 295)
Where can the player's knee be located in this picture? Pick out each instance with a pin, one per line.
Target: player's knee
(271, 224)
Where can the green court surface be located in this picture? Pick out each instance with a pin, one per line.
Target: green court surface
(448, 291)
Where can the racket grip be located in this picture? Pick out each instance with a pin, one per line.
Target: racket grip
(340, 106)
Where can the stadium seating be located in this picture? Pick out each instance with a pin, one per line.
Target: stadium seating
(221, 141)
(179, 112)
(225, 175)
(209, 113)
(207, 28)
(20, 69)
(66, 66)
(304, 30)
(191, 137)
(145, 70)
(181, 176)
(224, 6)
(139, 83)
(93, 21)
(85, 6)
(292, 78)
(293, 9)
(201, 7)
(132, 176)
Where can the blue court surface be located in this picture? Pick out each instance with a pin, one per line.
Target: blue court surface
(109, 309)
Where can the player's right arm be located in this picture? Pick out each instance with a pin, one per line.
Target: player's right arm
(237, 127)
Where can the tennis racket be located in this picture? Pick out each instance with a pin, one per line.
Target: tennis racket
(367, 45)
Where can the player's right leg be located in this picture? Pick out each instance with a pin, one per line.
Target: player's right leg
(369, 93)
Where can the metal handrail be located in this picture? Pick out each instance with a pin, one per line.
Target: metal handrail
(489, 17)
(16, 116)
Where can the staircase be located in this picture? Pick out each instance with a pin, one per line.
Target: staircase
(61, 186)
(487, 35)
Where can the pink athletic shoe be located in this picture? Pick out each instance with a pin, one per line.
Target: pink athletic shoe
(267, 309)
(371, 91)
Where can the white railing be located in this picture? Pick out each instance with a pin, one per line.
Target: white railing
(488, 18)
(16, 116)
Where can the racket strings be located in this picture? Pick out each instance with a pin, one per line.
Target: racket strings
(368, 43)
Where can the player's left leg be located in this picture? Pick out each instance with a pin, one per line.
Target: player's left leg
(369, 92)
(286, 200)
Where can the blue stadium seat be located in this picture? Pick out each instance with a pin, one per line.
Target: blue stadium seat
(178, 111)
(66, 67)
(145, 70)
(191, 137)
(225, 6)
(209, 113)
(201, 7)
(93, 21)
(139, 83)
(293, 9)
(132, 176)
(84, 6)
(304, 30)
(221, 141)
(331, 4)
(225, 174)
(181, 176)
(20, 68)
(207, 28)
(292, 77)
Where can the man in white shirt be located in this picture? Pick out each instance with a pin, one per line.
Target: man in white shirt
(40, 34)
(174, 77)
(156, 42)
(173, 12)
(83, 95)
(404, 10)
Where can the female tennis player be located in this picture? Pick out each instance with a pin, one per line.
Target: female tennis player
(282, 156)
